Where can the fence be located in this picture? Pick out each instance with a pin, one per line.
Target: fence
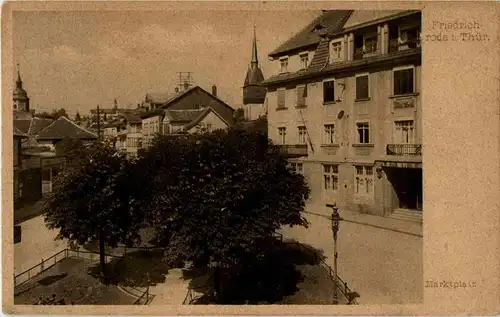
(340, 285)
(143, 296)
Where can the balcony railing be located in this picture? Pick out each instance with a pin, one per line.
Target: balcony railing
(404, 149)
(395, 46)
(294, 150)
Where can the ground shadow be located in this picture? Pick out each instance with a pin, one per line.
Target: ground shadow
(266, 280)
(136, 269)
(52, 279)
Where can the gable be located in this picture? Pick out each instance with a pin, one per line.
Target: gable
(208, 119)
(198, 98)
(64, 128)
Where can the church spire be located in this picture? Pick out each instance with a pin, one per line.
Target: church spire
(255, 60)
(19, 82)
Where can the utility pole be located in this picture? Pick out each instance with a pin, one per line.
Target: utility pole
(98, 124)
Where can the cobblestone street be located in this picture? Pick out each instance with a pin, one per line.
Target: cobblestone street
(383, 266)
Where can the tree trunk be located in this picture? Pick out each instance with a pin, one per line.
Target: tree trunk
(101, 256)
(217, 283)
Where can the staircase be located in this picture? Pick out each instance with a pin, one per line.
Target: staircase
(407, 215)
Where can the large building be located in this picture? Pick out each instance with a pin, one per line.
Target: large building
(345, 106)
(254, 94)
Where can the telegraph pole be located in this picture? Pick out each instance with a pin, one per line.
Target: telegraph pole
(98, 124)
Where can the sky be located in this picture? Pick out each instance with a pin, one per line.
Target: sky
(80, 59)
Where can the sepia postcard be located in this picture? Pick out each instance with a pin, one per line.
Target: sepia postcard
(251, 158)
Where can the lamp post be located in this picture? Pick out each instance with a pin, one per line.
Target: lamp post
(335, 230)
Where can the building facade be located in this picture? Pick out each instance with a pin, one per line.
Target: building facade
(346, 108)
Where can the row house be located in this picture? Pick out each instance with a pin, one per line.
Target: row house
(41, 156)
(187, 111)
(345, 106)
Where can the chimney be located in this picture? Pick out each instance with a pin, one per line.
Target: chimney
(214, 90)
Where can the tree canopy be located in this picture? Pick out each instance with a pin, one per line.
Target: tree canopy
(57, 113)
(91, 200)
(217, 198)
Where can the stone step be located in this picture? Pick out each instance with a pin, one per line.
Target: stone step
(407, 215)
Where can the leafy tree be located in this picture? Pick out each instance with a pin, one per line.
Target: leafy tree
(77, 117)
(239, 115)
(57, 113)
(44, 114)
(217, 199)
(91, 200)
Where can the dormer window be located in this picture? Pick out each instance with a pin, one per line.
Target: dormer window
(336, 53)
(408, 37)
(284, 65)
(370, 44)
(304, 60)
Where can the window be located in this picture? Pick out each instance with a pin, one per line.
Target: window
(364, 179)
(209, 127)
(404, 132)
(302, 135)
(409, 36)
(370, 44)
(329, 133)
(281, 98)
(336, 51)
(331, 177)
(284, 65)
(329, 91)
(363, 132)
(296, 167)
(301, 95)
(304, 60)
(403, 81)
(282, 135)
(362, 87)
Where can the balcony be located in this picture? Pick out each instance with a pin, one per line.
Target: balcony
(395, 45)
(293, 150)
(404, 149)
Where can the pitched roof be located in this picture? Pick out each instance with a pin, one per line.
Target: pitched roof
(329, 21)
(132, 117)
(184, 115)
(18, 132)
(201, 117)
(153, 113)
(333, 67)
(161, 98)
(22, 125)
(64, 128)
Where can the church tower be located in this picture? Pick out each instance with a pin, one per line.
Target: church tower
(254, 94)
(20, 97)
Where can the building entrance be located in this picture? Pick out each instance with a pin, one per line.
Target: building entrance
(408, 186)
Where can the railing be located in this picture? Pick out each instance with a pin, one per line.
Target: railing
(44, 265)
(294, 149)
(395, 45)
(340, 285)
(404, 149)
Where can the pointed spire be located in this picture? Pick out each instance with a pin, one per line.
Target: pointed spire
(19, 82)
(255, 59)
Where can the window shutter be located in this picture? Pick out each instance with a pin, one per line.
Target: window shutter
(281, 98)
(301, 95)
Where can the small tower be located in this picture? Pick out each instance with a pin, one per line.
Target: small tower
(20, 97)
(254, 94)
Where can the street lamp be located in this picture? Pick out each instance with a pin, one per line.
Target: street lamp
(335, 230)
